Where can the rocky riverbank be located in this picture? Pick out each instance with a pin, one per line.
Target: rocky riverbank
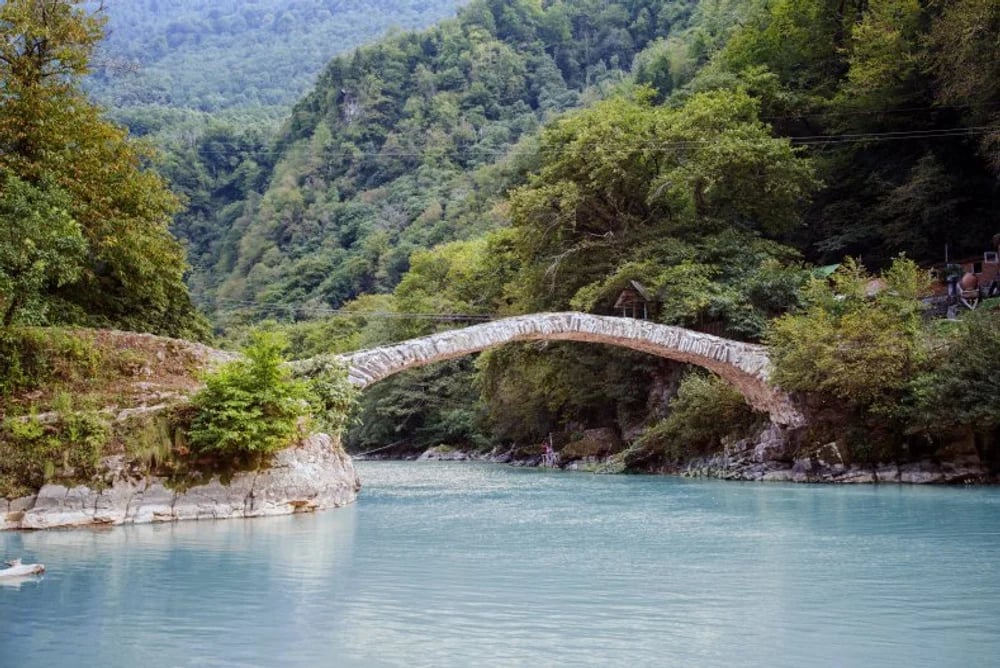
(770, 456)
(315, 475)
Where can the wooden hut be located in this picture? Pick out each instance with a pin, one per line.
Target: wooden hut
(636, 301)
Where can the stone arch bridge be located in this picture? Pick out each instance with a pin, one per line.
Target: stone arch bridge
(744, 365)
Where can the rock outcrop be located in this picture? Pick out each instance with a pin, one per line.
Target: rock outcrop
(769, 458)
(316, 475)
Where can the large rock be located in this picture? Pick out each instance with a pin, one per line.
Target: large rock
(443, 453)
(313, 476)
(316, 476)
(920, 473)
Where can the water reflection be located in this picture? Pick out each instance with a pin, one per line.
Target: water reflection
(17, 583)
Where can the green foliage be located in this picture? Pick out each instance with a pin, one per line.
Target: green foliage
(251, 406)
(531, 390)
(966, 62)
(731, 283)
(54, 140)
(333, 397)
(918, 72)
(963, 387)
(41, 248)
(705, 411)
(861, 348)
(264, 53)
(402, 146)
(421, 408)
(33, 450)
(33, 358)
(620, 178)
(149, 440)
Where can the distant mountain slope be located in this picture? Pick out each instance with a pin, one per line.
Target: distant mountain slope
(401, 146)
(209, 55)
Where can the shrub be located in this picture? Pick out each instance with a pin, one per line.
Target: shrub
(861, 349)
(333, 397)
(705, 411)
(34, 451)
(251, 406)
(963, 389)
(33, 357)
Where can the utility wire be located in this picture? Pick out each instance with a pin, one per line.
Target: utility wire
(383, 315)
(809, 140)
(881, 112)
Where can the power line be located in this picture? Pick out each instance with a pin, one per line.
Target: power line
(808, 140)
(881, 112)
(383, 315)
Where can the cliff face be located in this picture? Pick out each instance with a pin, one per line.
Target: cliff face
(316, 475)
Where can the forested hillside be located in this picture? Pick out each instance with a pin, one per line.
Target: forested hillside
(210, 55)
(724, 144)
(408, 143)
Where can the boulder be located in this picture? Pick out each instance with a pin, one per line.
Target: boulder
(920, 473)
(443, 453)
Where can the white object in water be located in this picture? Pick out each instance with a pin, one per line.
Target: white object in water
(18, 570)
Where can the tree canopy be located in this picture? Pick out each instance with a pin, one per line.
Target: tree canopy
(542, 155)
(54, 142)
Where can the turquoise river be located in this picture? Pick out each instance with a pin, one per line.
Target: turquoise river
(466, 564)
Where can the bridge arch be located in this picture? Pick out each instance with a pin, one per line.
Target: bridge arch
(744, 365)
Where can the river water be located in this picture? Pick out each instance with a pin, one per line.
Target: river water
(463, 564)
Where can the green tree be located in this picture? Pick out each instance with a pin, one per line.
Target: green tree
(41, 248)
(51, 136)
(705, 411)
(251, 406)
(963, 388)
(618, 176)
(966, 61)
(858, 339)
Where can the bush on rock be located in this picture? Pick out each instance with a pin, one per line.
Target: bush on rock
(251, 406)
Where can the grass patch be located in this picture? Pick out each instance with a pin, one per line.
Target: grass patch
(62, 392)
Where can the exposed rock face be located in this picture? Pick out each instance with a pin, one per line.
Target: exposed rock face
(745, 365)
(770, 457)
(314, 476)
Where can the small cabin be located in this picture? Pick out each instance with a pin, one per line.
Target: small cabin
(984, 267)
(969, 279)
(636, 301)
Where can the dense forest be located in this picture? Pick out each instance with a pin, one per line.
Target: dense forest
(403, 145)
(84, 219)
(211, 55)
(725, 146)
(529, 156)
